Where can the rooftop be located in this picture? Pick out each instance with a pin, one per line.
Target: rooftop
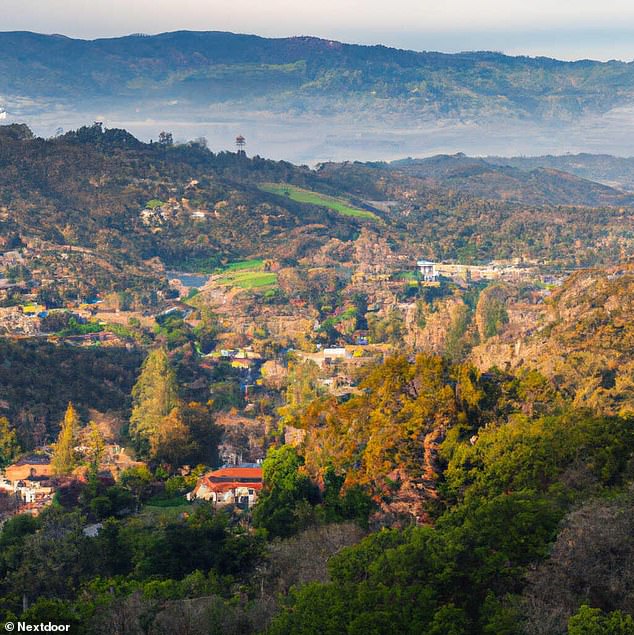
(238, 473)
(34, 459)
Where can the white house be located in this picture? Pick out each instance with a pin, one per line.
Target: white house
(427, 270)
(229, 486)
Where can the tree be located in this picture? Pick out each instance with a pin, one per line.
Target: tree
(166, 139)
(205, 434)
(138, 481)
(589, 563)
(207, 330)
(303, 388)
(490, 314)
(96, 447)
(63, 461)
(9, 446)
(154, 397)
(588, 621)
(171, 442)
(54, 558)
(286, 493)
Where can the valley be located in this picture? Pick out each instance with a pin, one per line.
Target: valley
(214, 366)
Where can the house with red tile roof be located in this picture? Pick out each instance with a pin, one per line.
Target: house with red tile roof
(229, 486)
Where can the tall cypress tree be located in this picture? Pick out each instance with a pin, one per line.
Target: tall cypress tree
(63, 461)
(96, 448)
(154, 396)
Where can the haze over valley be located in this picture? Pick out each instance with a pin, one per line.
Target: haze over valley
(308, 100)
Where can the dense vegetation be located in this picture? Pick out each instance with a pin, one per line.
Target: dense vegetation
(511, 481)
(37, 380)
(498, 485)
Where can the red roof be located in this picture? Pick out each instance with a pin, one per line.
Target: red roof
(254, 473)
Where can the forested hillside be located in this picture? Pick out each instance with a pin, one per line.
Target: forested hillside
(232, 400)
(581, 338)
(216, 67)
(102, 192)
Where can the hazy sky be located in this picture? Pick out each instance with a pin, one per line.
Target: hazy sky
(569, 29)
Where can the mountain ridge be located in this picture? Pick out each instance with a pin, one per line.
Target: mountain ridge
(216, 66)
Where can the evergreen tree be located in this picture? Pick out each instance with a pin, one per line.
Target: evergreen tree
(96, 447)
(9, 446)
(154, 397)
(172, 442)
(63, 461)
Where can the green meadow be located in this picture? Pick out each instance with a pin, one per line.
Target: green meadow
(255, 264)
(301, 195)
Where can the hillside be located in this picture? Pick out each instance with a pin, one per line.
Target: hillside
(580, 339)
(530, 182)
(100, 211)
(210, 67)
(488, 213)
(115, 205)
(604, 168)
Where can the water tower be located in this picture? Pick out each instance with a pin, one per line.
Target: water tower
(241, 143)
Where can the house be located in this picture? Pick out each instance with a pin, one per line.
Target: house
(115, 461)
(32, 465)
(427, 270)
(35, 491)
(229, 486)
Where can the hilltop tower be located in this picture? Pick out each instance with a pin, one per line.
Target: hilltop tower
(241, 143)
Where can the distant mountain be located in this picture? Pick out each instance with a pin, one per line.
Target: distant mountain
(604, 168)
(530, 183)
(213, 67)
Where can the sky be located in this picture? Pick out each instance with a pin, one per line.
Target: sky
(566, 29)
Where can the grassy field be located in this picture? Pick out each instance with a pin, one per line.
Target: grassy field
(256, 264)
(300, 195)
(247, 274)
(248, 279)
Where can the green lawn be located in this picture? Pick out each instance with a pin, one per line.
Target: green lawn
(341, 206)
(256, 264)
(406, 275)
(247, 279)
